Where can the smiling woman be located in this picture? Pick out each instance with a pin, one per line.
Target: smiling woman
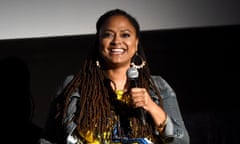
(87, 108)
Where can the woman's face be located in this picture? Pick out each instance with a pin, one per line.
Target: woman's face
(118, 41)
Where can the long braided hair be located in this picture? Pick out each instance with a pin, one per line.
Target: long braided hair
(97, 104)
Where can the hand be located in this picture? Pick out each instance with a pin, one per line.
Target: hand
(141, 98)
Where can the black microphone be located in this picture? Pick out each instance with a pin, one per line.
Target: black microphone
(132, 74)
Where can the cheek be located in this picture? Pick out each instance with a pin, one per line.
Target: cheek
(132, 46)
(103, 44)
(103, 47)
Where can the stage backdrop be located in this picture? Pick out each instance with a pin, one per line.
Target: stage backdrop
(192, 60)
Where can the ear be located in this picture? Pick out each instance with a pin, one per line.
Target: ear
(137, 42)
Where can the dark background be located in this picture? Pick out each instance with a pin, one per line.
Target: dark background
(199, 64)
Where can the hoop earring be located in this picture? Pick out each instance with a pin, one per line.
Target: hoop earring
(98, 64)
(141, 61)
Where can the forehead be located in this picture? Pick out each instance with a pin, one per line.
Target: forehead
(118, 21)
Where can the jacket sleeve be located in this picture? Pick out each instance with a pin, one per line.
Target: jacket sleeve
(51, 131)
(175, 131)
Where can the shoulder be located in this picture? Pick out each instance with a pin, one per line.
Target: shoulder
(67, 79)
(163, 85)
(65, 82)
(159, 81)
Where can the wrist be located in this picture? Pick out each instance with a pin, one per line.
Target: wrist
(162, 124)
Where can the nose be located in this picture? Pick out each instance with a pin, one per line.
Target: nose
(116, 40)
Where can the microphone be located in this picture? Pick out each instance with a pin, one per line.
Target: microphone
(132, 74)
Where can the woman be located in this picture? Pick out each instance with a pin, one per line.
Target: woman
(100, 105)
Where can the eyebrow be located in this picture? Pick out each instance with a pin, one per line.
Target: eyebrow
(125, 30)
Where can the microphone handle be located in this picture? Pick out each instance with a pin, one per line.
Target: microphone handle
(142, 115)
(133, 84)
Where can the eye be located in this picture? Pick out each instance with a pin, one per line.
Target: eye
(107, 35)
(125, 35)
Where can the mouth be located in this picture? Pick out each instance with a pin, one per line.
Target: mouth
(117, 50)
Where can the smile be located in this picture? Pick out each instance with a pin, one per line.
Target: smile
(117, 50)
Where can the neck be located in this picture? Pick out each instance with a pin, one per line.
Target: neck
(119, 78)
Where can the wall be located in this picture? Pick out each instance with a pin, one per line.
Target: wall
(47, 18)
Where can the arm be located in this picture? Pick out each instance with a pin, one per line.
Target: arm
(51, 131)
(175, 129)
(49, 135)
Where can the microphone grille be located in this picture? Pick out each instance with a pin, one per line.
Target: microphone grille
(132, 72)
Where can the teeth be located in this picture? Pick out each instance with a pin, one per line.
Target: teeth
(117, 50)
